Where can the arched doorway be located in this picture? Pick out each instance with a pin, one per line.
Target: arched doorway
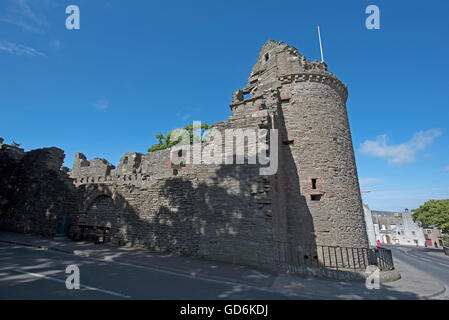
(101, 212)
(99, 219)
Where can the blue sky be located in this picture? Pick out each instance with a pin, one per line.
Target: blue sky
(137, 68)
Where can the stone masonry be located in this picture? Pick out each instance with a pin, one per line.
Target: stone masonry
(226, 212)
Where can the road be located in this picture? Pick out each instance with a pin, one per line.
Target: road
(433, 262)
(27, 273)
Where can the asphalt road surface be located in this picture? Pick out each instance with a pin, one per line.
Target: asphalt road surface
(27, 273)
(433, 262)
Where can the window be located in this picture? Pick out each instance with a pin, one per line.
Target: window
(267, 56)
(315, 197)
(314, 183)
(125, 160)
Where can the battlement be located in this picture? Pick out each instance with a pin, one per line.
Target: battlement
(133, 167)
(278, 61)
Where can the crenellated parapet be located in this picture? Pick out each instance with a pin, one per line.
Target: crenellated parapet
(279, 64)
(323, 78)
(95, 168)
(133, 168)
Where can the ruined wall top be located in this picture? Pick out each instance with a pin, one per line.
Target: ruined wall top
(14, 152)
(94, 168)
(40, 160)
(276, 63)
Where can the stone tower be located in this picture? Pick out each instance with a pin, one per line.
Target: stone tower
(316, 195)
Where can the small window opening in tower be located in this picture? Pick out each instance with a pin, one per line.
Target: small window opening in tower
(267, 56)
(314, 183)
(180, 153)
(315, 197)
(125, 160)
(246, 96)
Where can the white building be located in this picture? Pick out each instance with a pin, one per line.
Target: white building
(369, 226)
(394, 228)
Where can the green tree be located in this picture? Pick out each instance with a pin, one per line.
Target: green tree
(433, 213)
(166, 142)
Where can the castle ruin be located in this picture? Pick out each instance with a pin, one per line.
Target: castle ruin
(227, 212)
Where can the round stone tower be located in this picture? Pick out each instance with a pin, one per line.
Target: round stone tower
(319, 200)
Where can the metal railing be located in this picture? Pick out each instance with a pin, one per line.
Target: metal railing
(333, 257)
(446, 250)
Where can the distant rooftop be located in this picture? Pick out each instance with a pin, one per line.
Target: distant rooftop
(386, 213)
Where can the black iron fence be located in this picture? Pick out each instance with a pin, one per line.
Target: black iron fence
(333, 257)
(446, 250)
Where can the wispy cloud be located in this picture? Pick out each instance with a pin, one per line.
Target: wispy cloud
(56, 44)
(18, 49)
(369, 181)
(401, 153)
(400, 198)
(26, 14)
(183, 116)
(186, 116)
(101, 104)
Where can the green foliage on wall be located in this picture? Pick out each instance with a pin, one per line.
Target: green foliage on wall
(168, 141)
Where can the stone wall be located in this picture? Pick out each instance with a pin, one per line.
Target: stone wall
(35, 190)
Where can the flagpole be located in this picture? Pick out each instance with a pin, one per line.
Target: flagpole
(321, 46)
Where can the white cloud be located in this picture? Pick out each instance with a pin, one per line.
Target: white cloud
(186, 116)
(26, 14)
(101, 104)
(401, 153)
(56, 44)
(398, 199)
(369, 181)
(18, 49)
(183, 116)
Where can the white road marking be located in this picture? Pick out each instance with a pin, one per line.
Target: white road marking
(38, 275)
(430, 259)
(442, 264)
(170, 272)
(425, 259)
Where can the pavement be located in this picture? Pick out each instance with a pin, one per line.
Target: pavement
(433, 262)
(25, 257)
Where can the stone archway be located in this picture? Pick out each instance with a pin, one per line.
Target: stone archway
(101, 212)
(103, 207)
